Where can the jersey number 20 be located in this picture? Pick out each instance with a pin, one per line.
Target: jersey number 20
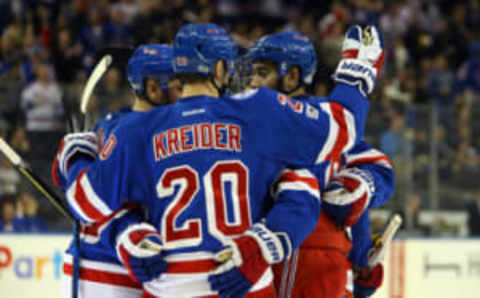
(214, 181)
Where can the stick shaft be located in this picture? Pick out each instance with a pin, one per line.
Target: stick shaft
(43, 187)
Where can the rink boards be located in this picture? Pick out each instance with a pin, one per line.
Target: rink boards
(30, 266)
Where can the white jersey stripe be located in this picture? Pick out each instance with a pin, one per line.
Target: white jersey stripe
(332, 134)
(108, 267)
(193, 285)
(73, 203)
(298, 186)
(371, 154)
(352, 132)
(92, 196)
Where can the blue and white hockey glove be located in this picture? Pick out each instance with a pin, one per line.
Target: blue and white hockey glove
(73, 145)
(139, 248)
(362, 58)
(246, 259)
(348, 195)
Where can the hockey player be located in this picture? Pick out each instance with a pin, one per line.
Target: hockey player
(287, 62)
(149, 72)
(203, 167)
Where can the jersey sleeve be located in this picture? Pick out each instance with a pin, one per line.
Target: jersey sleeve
(296, 208)
(104, 233)
(377, 164)
(361, 241)
(96, 188)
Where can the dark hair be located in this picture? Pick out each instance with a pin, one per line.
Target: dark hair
(7, 200)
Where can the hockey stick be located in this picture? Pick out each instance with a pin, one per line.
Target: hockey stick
(92, 81)
(23, 168)
(377, 255)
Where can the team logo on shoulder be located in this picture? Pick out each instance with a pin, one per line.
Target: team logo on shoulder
(312, 112)
(181, 61)
(108, 148)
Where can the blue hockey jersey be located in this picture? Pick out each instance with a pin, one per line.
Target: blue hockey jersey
(366, 158)
(363, 156)
(203, 166)
(97, 240)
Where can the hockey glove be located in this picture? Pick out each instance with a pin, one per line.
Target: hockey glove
(73, 145)
(246, 259)
(139, 249)
(362, 58)
(348, 195)
(367, 281)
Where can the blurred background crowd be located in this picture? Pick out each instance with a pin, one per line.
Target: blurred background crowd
(423, 112)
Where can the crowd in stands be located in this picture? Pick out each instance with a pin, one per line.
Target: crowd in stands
(423, 113)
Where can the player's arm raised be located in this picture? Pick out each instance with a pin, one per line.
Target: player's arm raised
(314, 133)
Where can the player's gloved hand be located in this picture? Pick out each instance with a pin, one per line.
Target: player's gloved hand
(367, 281)
(246, 259)
(73, 145)
(139, 248)
(362, 58)
(347, 195)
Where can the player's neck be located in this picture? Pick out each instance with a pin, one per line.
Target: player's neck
(196, 89)
(298, 92)
(141, 105)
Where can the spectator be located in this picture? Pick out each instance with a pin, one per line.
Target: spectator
(9, 177)
(29, 219)
(146, 25)
(468, 78)
(42, 102)
(466, 167)
(66, 55)
(117, 31)
(43, 110)
(111, 95)
(412, 211)
(128, 8)
(93, 35)
(441, 88)
(20, 142)
(331, 45)
(9, 221)
(33, 55)
(394, 141)
(473, 210)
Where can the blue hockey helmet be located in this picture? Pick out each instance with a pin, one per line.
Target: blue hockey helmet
(287, 49)
(197, 47)
(150, 60)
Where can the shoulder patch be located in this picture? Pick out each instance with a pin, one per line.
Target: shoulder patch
(312, 112)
